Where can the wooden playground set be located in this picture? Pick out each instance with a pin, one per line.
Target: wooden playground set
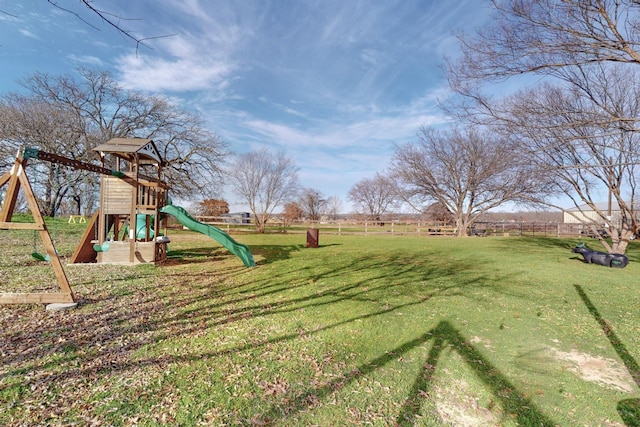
(124, 230)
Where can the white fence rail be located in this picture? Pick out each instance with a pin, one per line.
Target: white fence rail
(421, 228)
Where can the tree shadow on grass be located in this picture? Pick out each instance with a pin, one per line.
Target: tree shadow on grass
(444, 337)
(532, 243)
(370, 281)
(270, 253)
(100, 342)
(194, 255)
(274, 253)
(163, 311)
(628, 409)
(367, 291)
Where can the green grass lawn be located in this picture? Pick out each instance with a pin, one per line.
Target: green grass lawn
(364, 330)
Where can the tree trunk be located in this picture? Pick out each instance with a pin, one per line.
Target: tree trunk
(619, 241)
(462, 226)
(77, 204)
(260, 223)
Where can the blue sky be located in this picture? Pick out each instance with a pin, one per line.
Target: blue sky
(333, 83)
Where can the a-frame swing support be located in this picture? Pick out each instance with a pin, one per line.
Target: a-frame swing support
(16, 178)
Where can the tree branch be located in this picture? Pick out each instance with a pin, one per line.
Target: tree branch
(111, 20)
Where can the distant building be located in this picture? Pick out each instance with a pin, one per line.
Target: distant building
(585, 214)
(237, 218)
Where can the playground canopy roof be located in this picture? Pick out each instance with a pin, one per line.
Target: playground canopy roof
(140, 150)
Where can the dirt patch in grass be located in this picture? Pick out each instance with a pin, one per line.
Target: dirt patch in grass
(457, 405)
(600, 370)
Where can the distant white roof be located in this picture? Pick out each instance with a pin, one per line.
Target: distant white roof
(601, 206)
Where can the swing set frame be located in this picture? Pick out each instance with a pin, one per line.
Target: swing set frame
(16, 179)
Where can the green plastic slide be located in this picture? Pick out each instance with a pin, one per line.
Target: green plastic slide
(238, 249)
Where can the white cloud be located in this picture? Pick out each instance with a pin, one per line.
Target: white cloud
(86, 59)
(189, 61)
(371, 57)
(181, 74)
(29, 34)
(354, 135)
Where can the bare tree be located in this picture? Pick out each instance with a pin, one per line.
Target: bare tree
(548, 37)
(571, 42)
(375, 196)
(75, 116)
(312, 203)
(464, 170)
(264, 181)
(334, 207)
(545, 38)
(585, 137)
(28, 122)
